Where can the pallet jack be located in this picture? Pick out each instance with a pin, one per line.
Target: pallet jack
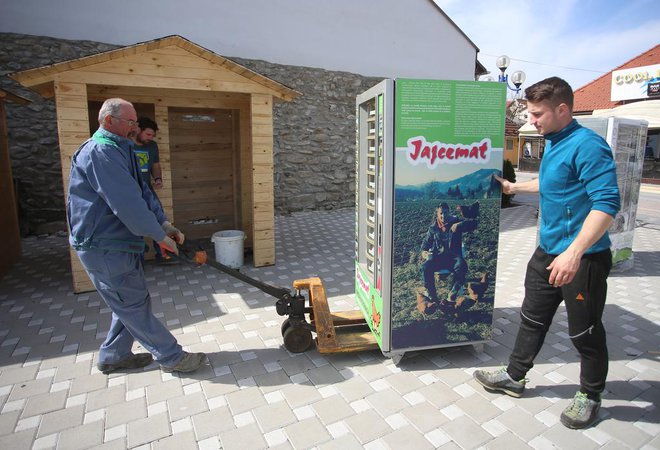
(336, 332)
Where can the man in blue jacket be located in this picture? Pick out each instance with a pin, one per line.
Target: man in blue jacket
(579, 198)
(109, 210)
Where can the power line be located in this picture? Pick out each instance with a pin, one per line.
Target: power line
(549, 65)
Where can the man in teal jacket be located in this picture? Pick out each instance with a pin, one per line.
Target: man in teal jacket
(579, 198)
(109, 210)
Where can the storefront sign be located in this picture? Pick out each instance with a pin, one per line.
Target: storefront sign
(629, 84)
(654, 89)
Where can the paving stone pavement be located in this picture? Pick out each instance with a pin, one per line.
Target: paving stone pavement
(254, 394)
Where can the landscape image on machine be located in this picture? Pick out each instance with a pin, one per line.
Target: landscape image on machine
(449, 144)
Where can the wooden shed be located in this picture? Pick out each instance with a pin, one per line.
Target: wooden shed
(215, 137)
(9, 228)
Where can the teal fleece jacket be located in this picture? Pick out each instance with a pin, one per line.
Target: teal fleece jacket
(577, 175)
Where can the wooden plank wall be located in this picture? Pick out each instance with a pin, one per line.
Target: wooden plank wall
(73, 130)
(203, 162)
(9, 229)
(262, 182)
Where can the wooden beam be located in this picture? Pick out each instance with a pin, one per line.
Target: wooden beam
(71, 107)
(263, 209)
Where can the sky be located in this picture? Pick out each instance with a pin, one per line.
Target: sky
(577, 40)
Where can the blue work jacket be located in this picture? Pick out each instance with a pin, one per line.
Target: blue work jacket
(109, 207)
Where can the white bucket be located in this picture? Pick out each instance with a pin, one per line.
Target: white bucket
(229, 247)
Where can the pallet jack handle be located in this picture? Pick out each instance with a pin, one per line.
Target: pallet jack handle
(288, 303)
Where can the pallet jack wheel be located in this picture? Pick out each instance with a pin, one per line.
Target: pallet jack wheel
(297, 339)
(285, 326)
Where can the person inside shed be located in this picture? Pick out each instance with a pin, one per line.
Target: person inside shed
(148, 157)
(109, 211)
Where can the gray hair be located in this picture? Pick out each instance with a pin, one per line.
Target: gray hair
(111, 107)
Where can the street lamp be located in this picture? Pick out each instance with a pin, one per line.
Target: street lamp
(517, 77)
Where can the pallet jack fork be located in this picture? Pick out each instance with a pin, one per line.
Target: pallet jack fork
(336, 332)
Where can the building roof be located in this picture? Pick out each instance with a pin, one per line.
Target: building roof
(41, 78)
(597, 94)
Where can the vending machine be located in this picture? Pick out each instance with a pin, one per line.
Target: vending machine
(427, 210)
(627, 138)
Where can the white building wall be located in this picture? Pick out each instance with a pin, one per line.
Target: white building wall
(389, 38)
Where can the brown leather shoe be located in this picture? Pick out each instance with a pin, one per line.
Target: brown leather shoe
(189, 363)
(132, 362)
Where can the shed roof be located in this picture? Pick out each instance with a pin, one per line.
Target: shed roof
(597, 94)
(40, 78)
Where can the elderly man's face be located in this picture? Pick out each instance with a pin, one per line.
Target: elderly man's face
(123, 124)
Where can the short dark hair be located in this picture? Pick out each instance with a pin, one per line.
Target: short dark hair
(553, 89)
(444, 206)
(145, 122)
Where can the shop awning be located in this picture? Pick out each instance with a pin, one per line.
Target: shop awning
(648, 110)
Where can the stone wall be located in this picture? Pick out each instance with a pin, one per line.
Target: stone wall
(314, 136)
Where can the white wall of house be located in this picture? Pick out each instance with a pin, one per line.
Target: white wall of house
(390, 38)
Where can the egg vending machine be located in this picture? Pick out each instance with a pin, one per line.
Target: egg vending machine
(627, 138)
(427, 210)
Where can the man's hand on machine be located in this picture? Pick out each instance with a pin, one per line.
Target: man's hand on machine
(173, 232)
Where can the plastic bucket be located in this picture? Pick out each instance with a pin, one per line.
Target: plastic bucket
(229, 247)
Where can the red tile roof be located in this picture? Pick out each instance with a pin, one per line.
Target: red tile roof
(597, 94)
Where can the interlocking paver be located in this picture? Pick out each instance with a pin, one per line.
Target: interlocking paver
(354, 389)
(13, 375)
(247, 437)
(8, 422)
(30, 388)
(45, 403)
(62, 419)
(106, 397)
(466, 432)
(21, 439)
(123, 413)
(332, 409)
(185, 406)
(387, 402)
(273, 381)
(176, 442)
(345, 442)
(82, 437)
(148, 430)
(212, 423)
(274, 416)
(163, 390)
(368, 426)
(507, 441)
(324, 375)
(298, 395)
(88, 383)
(407, 437)
(307, 433)
(521, 423)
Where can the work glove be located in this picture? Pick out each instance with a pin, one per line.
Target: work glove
(168, 245)
(173, 232)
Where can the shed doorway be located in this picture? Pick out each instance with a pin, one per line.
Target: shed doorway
(205, 162)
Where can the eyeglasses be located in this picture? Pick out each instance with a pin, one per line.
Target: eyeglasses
(132, 123)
